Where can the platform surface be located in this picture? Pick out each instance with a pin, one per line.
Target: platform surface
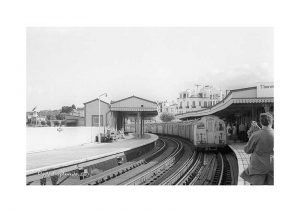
(75, 154)
(243, 160)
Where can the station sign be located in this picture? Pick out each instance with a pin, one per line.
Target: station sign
(265, 89)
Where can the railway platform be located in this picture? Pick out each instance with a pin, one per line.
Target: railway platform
(68, 156)
(243, 160)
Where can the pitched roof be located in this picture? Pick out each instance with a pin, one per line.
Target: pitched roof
(97, 99)
(133, 97)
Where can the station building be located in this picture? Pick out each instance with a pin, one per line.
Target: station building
(91, 113)
(116, 114)
(239, 105)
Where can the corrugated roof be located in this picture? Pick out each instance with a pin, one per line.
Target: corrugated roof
(113, 102)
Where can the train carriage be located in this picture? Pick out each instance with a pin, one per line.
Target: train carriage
(159, 128)
(175, 129)
(169, 129)
(209, 131)
(206, 132)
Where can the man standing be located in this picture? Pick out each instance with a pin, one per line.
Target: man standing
(242, 129)
(260, 146)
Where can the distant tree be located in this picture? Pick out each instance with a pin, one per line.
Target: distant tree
(73, 107)
(166, 117)
(63, 122)
(43, 123)
(60, 116)
(48, 122)
(67, 109)
(49, 117)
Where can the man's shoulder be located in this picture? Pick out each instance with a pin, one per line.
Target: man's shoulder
(257, 133)
(263, 132)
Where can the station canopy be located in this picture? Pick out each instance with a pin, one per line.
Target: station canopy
(236, 101)
(133, 104)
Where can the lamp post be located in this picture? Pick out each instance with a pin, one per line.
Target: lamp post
(104, 94)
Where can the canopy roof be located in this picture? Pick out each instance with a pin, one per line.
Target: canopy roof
(237, 96)
(135, 104)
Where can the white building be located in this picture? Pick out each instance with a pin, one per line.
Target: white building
(165, 107)
(197, 99)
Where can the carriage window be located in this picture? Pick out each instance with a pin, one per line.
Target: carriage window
(221, 127)
(209, 125)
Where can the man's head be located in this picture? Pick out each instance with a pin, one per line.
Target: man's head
(266, 119)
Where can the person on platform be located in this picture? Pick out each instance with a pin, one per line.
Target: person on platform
(242, 129)
(234, 132)
(253, 128)
(260, 145)
(229, 130)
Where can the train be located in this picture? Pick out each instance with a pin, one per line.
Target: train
(208, 132)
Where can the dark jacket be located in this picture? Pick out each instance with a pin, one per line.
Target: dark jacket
(260, 146)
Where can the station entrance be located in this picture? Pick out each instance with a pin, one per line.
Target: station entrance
(135, 108)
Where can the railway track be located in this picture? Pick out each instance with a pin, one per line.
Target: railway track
(120, 172)
(165, 169)
(181, 167)
(173, 161)
(217, 170)
(157, 171)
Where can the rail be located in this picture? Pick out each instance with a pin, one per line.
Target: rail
(181, 171)
(192, 173)
(157, 169)
(119, 170)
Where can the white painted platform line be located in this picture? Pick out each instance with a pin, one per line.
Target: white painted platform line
(243, 161)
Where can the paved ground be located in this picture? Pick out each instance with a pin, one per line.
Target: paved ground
(243, 160)
(70, 155)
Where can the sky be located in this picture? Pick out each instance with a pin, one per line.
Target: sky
(74, 65)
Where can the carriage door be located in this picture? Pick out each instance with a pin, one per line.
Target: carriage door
(210, 131)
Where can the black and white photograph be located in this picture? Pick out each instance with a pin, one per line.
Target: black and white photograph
(150, 106)
(162, 105)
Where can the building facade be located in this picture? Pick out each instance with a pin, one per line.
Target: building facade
(197, 99)
(117, 114)
(91, 113)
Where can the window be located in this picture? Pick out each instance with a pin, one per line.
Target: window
(205, 104)
(194, 104)
(95, 120)
(200, 103)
